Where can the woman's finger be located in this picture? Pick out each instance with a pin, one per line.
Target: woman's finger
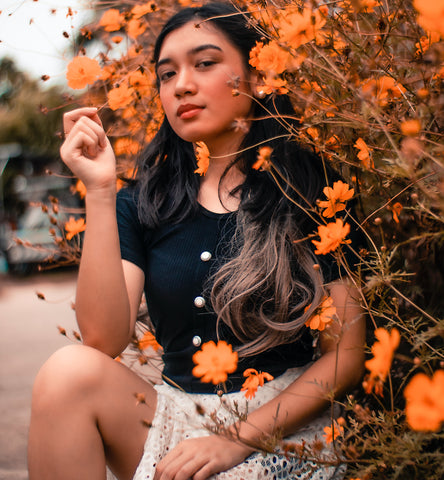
(90, 126)
(71, 118)
(81, 145)
(182, 468)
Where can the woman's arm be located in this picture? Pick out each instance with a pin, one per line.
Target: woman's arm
(108, 290)
(338, 369)
(340, 366)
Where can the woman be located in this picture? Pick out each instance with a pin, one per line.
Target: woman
(218, 257)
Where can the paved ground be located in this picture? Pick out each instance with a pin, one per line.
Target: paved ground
(28, 336)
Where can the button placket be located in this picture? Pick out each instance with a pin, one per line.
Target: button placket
(199, 301)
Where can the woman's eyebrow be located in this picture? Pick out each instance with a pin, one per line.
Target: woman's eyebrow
(193, 51)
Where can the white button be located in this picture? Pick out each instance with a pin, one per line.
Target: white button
(197, 341)
(205, 256)
(199, 302)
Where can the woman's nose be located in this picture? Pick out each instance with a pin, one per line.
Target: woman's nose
(185, 83)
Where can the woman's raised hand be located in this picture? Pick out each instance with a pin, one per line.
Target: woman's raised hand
(87, 151)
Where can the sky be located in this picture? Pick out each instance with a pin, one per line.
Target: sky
(33, 36)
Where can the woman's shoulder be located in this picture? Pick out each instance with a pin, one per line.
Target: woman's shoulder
(128, 195)
(127, 202)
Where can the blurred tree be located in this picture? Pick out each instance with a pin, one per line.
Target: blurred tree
(29, 114)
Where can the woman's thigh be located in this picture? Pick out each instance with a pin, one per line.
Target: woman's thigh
(89, 392)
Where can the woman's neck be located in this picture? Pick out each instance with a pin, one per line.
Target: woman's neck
(215, 187)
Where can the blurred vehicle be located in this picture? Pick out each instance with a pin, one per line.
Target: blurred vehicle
(26, 231)
(29, 242)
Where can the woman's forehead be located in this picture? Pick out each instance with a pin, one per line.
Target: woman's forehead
(191, 35)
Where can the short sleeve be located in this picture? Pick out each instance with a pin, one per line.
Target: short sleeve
(131, 232)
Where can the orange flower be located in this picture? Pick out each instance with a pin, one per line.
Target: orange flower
(142, 82)
(139, 11)
(120, 96)
(332, 235)
(299, 28)
(313, 132)
(322, 316)
(379, 366)
(214, 362)
(117, 39)
(340, 193)
(383, 89)
(273, 84)
(269, 57)
(73, 227)
(82, 71)
(364, 153)
(80, 189)
(368, 5)
(333, 432)
(112, 20)
(107, 72)
(263, 161)
(254, 380)
(396, 209)
(135, 28)
(425, 402)
(126, 146)
(431, 15)
(148, 341)
(411, 127)
(425, 41)
(202, 157)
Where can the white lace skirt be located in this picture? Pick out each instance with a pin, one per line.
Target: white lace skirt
(177, 419)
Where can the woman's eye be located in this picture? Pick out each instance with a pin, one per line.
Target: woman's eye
(164, 76)
(205, 63)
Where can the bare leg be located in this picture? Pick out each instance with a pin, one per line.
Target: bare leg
(84, 415)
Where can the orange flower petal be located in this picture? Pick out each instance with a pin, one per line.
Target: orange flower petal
(120, 96)
(332, 235)
(148, 341)
(202, 157)
(73, 227)
(214, 362)
(263, 159)
(82, 71)
(112, 20)
(425, 402)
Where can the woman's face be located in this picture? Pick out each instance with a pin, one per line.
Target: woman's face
(197, 70)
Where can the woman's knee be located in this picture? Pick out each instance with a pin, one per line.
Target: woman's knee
(69, 374)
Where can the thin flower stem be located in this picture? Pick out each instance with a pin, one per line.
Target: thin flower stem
(410, 185)
(252, 146)
(392, 403)
(291, 199)
(413, 304)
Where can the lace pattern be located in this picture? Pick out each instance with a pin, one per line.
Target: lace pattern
(177, 419)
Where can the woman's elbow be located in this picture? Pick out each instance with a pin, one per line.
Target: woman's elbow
(112, 346)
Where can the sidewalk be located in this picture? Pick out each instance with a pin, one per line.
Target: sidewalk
(28, 336)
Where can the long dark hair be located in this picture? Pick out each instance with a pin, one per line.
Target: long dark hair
(262, 292)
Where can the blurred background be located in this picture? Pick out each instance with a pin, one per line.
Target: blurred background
(36, 41)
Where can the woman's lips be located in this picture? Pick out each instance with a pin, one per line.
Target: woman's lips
(188, 111)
